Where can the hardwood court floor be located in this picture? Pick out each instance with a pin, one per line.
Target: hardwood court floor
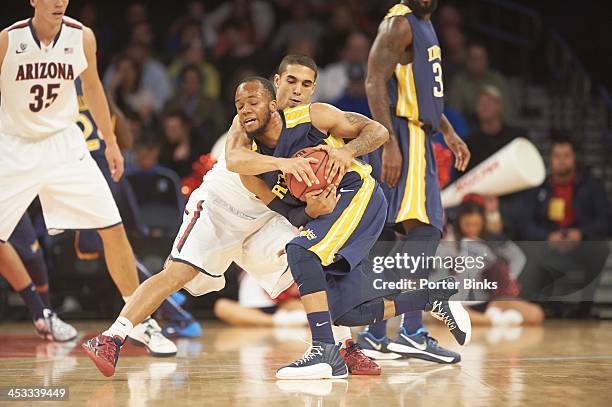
(563, 363)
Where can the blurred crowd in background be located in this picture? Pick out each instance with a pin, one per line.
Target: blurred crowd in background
(175, 83)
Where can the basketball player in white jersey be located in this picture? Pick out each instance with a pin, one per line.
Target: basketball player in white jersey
(224, 222)
(43, 152)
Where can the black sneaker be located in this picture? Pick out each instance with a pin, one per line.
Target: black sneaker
(321, 361)
(376, 348)
(422, 346)
(451, 313)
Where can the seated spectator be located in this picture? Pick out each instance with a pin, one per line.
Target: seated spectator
(490, 132)
(302, 46)
(206, 114)
(503, 263)
(153, 78)
(333, 79)
(299, 25)
(354, 98)
(195, 54)
(570, 211)
(255, 307)
(337, 30)
(466, 85)
(259, 14)
(180, 149)
(146, 155)
(454, 51)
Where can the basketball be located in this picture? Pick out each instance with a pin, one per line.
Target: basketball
(299, 189)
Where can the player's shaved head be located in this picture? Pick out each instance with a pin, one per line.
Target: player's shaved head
(267, 86)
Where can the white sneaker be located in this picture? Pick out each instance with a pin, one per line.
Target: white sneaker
(149, 334)
(51, 328)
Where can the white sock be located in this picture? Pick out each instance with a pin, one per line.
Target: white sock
(341, 334)
(121, 328)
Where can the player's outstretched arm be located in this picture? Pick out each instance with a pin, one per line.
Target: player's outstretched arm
(367, 136)
(393, 39)
(98, 105)
(242, 159)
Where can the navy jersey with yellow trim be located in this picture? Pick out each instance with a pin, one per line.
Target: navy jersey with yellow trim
(416, 90)
(297, 134)
(93, 137)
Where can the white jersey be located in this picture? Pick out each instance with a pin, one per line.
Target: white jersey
(38, 95)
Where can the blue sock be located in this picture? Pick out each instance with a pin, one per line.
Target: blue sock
(412, 321)
(378, 329)
(411, 301)
(32, 301)
(320, 326)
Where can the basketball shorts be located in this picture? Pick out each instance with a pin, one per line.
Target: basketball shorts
(59, 169)
(215, 233)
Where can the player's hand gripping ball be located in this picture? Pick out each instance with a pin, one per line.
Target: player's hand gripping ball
(299, 189)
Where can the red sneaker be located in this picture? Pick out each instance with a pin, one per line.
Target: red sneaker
(357, 362)
(104, 352)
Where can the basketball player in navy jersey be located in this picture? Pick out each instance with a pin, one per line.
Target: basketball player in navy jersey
(42, 151)
(406, 94)
(327, 257)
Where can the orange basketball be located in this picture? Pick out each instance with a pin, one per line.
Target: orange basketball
(299, 189)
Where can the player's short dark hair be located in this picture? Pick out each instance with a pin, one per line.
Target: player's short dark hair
(296, 59)
(265, 83)
(562, 138)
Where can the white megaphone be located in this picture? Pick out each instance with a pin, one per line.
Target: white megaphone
(515, 167)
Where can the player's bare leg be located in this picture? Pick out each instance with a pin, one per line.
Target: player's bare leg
(104, 348)
(48, 325)
(120, 259)
(121, 265)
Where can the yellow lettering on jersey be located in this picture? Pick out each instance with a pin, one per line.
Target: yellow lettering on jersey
(434, 53)
(280, 189)
(398, 10)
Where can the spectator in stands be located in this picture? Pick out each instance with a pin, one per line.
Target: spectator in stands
(302, 46)
(299, 25)
(570, 211)
(466, 85)
(490, 132)
(258, 14)
(354, 98)
(178, 35)
(195, 54)
(454, 51)
(341, 25)
(124, 86)
(206, 114)
(448, 16)
(503, 263)
(153, 78)
(180, 148)
(333, 79)
(146, 154)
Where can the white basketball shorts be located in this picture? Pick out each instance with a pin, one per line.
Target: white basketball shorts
(59, 169)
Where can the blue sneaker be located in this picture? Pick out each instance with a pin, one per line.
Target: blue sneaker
(179, 298)
(183, 329)
(376, 348)
(422, 346)
(321, 361)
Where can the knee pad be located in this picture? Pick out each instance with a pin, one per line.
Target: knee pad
(363, 314)
(306, 269)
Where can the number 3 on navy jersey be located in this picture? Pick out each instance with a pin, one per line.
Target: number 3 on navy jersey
(39, 96)
(92, 137)
(438, 89)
